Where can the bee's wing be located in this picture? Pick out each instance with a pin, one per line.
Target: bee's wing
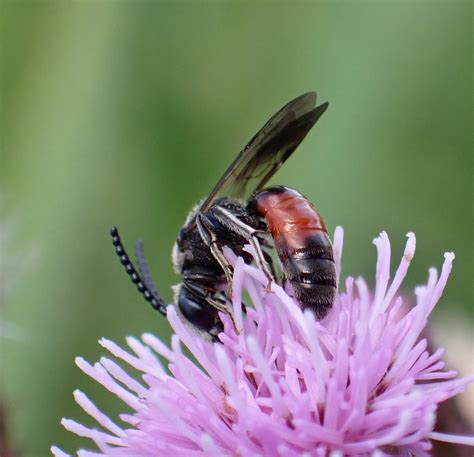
(268, 149)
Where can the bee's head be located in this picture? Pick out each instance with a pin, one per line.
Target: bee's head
(197, 314)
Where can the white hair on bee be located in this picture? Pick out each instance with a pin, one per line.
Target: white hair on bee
(178, 257)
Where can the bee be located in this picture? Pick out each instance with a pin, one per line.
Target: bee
(240, 211)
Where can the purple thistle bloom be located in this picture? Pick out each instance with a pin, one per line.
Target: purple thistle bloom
(362, 382)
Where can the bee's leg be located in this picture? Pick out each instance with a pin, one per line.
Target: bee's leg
(221, 293)
(209, 295)
(246, 231)
(204, 225)
(224, 306)
(268, 258)
(264, 265)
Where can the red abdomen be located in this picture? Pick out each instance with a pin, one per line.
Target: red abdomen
(302, 243)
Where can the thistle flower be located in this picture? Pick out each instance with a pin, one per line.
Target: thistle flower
(361, 382)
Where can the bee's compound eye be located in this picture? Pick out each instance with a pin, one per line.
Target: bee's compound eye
(180, 239)
(199, 313)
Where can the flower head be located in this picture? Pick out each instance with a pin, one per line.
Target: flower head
(280, 383)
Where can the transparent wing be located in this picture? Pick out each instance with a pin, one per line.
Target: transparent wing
(268, 149)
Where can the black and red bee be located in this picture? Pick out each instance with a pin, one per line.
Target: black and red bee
(238, 211)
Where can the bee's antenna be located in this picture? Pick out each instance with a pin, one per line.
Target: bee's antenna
(145, 287)
(144, 269)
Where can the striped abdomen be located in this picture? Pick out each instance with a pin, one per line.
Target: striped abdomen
(302, 243)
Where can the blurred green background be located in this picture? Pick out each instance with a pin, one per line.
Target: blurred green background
(128, 113)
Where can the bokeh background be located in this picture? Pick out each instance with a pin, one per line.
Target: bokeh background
(128, 113)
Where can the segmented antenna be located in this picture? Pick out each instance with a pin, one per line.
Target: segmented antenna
(144, 269)
(149, 292)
